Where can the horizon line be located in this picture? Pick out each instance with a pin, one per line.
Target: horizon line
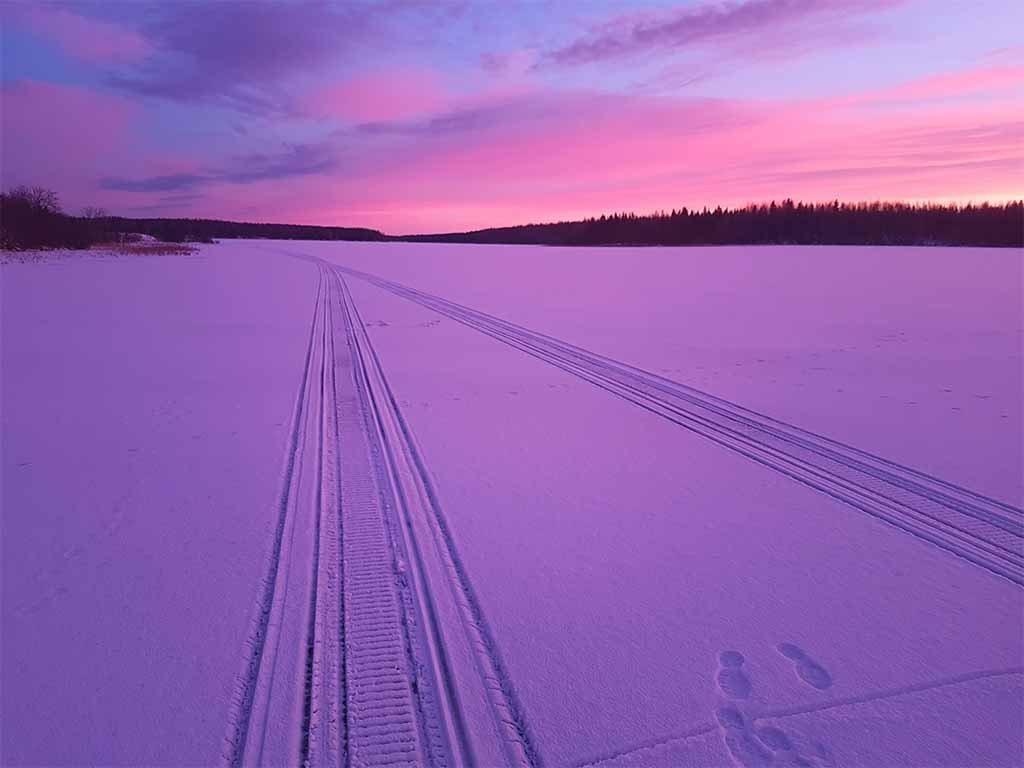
(948, 203)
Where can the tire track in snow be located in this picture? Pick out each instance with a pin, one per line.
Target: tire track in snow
(977, 529)
(357, 653)
(385, 713)
(329, 677)
(325, 731)
(486, 720)
(289, 668)
(250, 678)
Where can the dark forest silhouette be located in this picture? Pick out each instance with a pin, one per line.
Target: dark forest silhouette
(786, 223)
(31, 217)
(206, 230)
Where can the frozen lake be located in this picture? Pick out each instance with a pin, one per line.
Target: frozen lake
(365, 503)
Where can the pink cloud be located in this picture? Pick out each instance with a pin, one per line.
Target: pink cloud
(386, 95)
(61, 136)
(547, 157)
(83, 37)
(535, 155)
(965, 83)
(593, 156)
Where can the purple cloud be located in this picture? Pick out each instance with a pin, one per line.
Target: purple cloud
(166, 202)
(169, 183)
(241, 54)
(297, 160)
(708, 23)
(454, 121)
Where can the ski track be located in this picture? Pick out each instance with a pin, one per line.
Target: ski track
(982, 531)
(367, 646)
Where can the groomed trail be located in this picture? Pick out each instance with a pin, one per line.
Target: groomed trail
(367, 646)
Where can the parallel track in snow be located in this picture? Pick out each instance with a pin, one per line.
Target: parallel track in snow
(367, 646)
(983, 531)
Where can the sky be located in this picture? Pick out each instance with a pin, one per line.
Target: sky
(412, 117)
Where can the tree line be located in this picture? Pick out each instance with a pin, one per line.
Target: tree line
(878, 223)
(31, 217)
(208, 230)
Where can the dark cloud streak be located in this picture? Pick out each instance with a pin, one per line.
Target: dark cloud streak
(169, 183)
(298, 160)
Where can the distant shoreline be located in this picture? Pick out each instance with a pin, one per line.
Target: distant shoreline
(26, 225)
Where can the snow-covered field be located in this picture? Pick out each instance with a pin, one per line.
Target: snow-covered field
(145, 409)
(377, 504)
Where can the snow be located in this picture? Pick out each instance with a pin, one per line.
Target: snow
(617, 556)
(652, 597)
(900, 351)
(145, 405)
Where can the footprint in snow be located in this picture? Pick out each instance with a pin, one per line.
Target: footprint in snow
(807, 669)
(732, 680)
(740, 740)
(751, 745)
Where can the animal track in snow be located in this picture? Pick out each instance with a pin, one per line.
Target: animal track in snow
(732, 680)
(807, 669)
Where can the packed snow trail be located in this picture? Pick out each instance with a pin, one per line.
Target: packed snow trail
(367, 646)
(980, 530)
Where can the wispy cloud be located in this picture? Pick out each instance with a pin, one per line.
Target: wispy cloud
(455, 121)
(956, 84)
(166, 203)
(703, 24)
(296, 160)
(169, 183)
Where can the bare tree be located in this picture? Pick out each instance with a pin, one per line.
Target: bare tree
(38, 198)
(94, 212)
(31, 217)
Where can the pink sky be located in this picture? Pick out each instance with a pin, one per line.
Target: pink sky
(353, 115)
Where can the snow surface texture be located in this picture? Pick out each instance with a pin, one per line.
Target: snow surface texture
(402, 504)
(145, 406)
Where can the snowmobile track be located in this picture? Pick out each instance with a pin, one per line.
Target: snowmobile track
(366, 646)
(983, 531)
